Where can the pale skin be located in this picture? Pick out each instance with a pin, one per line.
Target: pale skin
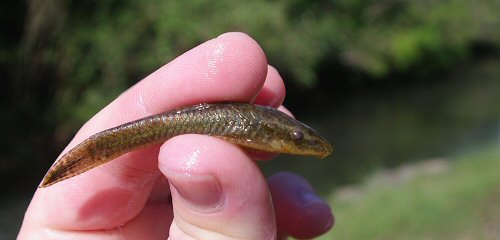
(192, 186)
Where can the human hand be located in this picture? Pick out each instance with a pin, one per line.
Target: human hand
(192, 186)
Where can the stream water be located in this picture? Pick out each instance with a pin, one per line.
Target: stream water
(390, 127)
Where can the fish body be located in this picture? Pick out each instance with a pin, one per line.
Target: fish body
(251, 126)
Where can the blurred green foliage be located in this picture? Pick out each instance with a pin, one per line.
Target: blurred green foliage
(102, 47)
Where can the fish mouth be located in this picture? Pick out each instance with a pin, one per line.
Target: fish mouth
(319, 149)
(326, 152)
(322, 148)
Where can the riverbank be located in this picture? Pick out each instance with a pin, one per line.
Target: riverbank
(434, 199)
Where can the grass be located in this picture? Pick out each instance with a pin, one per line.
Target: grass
(435, 199)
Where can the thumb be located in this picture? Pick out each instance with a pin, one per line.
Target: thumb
(217, 191)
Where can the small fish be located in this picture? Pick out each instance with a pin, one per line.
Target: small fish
(251, 126)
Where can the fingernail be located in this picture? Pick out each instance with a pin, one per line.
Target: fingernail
(199, 191)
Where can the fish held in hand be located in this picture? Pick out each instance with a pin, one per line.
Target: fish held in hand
(252, 126)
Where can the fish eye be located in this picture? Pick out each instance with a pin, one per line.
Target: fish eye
(297, 135)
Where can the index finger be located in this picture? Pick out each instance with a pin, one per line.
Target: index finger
(231, 67)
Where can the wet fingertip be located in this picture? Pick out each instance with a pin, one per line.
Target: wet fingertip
(273, 91)
(192, 183)
(216, 189)
(244, 46)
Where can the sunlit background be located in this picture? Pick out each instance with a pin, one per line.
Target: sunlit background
(408, 92)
